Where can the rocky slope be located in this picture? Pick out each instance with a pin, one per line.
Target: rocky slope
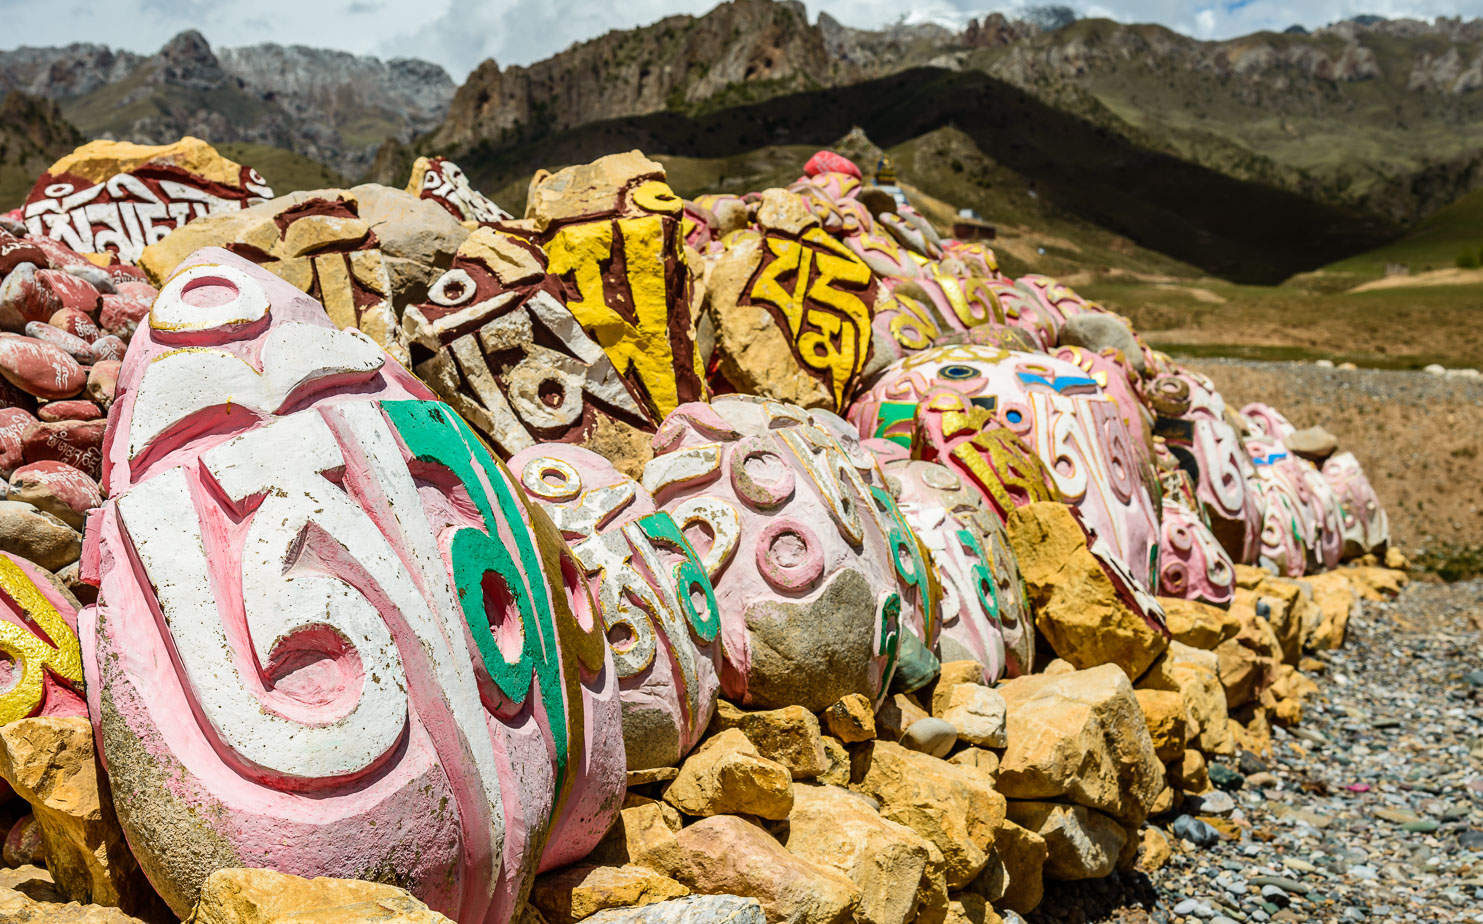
(331, 106)
(33, 133)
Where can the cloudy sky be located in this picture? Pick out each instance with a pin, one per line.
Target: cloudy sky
(458, 34)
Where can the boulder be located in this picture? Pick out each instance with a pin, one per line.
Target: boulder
(851, 719)
(1248, 662)
(896, 870)
(1097, 332)
(950, 674)
(1335, 596)
(36, 535)
(727, 775)
(898, 713)
(1080, 736)
(1374, 583)
(1314, 444)
(573, 893)
(692, 909)
(1022, 853)
(1194, 674)
(727, 854)
(954, 807)
(1164, 716)
(643, 825)
(1291, 689)
(1080, 843)
(56, 488)
(262, 896)
(18, 907)
(1087, 618)
(51, 764)
(976, 712)
(1197, 624)
(790, 736)
(1154, 850)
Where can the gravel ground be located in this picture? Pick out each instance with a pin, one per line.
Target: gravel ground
(1370, 811)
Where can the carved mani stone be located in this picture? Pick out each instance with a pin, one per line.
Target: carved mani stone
(41, 671)
(658, 609)
(814, 568)
(440, 180)
(332, 636)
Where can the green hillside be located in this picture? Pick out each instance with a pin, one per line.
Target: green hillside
(284, 170)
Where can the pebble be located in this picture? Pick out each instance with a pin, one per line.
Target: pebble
(1223, 777)
(930, 736)
(1197, 832)
(1211, 803)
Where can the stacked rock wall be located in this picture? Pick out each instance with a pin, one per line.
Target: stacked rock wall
(382, 538)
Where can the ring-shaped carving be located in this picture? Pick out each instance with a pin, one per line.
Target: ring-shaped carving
(761, 492)
(171, 313)
(537, 479)
(791, 569)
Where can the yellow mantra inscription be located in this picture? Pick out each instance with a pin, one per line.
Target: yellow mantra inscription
(31, 655)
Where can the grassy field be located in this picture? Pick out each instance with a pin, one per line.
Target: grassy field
(284, 170)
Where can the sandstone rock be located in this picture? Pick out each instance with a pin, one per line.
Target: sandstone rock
(984, 761)
(977, 713)
(1314, 444)
(896, 870)
(1194, 674)
(789, 736)
(1087, 618)
(1250, 577)
(103, 381)
(930, 736)
(56, 488)
(953, 807)
(1287, 605)
(1291, 689)
(851, 719)
(34, 882)
(838, 771)
(39, 368)
(1080, 843)
(725, 854)
(1197, 624)
(969, 908)
(643, 825)
(896, 715)
(38, 536)
(727, 775)
(1080, 736)
(50, 763)
(17, 907)
(950, 675)
(1022, 853)
(692, 909)
(1377, 583)
(1335, 597)
(1248, 662)
(1164, 716)
(261, 896)
(1155, 850)
(573, 893)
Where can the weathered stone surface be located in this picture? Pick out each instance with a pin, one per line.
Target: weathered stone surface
(954, 807)
(573, 893)
(38, 536)
(1164, 716)
(1088, 617)
(1248, 662)
(977, 712)
(17, 907)
(692, 909)
(931, 736)
(897, 871)
(1197, 624)
(1097, 332)
(789, 736)
(1154, 851)
(851, 719)
(1336, 598)
(726, 854)
(1080, 843)
(103, 381)
(1194, 674)
(1314, 443)
(728, 776)
(56, 488)
(414, 670)
(1022, 853)
(78, 443)
(1080, 736)
(39, 368)
(262, 896)
(898, 713)
(50, 763)
(1291, 689)
(950, 674)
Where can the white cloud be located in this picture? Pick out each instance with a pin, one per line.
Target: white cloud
(458, 34)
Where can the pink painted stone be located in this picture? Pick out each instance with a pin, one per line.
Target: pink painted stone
(40, 369)
(830, 162)
(332, 637)
(109, 346)
(73, 489)
(658, 608)
(124, 272)
(1192, 565)
(1364, 527)
(14, 422)
(121, 314)
(985, 616)
(14, 251)
(76, 323)
(1288, 530)
(1269, 421)
(813, 567)
(36, 296)
(1191, 419)
(1060, 412)
(78, 443)
(41, 673)
(1023, 310)
(69, 410)
(74, 346)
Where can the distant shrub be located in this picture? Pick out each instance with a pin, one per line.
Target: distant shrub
(1468, 259)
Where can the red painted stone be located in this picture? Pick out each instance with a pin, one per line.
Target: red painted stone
(77, 323)
(72, 291)
(109, 346)
(123, 272)
(79, 443)
(71, 344)
(78, 409)
(14, 251)
(830, 162)
(36, 296)
(58, 254)
(14, 422)
(72, 487)
(123, 310)
(39, 368)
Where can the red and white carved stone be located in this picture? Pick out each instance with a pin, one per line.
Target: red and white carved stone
(1192, 565)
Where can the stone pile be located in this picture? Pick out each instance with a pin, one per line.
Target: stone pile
(762, 557)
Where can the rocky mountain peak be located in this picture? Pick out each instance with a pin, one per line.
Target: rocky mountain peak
(188, 61)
